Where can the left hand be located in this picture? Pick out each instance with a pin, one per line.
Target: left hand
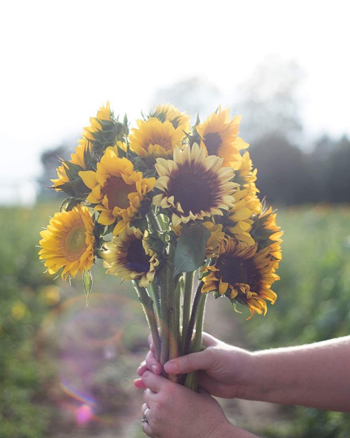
(174, 411)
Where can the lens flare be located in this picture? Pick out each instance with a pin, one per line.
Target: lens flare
(83, 415)
(95, 352)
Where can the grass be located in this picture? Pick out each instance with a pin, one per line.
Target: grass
(36, 325)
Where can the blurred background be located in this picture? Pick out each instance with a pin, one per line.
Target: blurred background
(67, 371)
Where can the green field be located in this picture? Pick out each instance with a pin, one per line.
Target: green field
(56, 356)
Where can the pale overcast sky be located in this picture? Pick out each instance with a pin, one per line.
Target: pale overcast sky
(60, 60)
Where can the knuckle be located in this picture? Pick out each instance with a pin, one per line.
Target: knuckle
(156, 408)
(146, 374)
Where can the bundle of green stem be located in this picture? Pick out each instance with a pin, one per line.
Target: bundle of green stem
(173, 306)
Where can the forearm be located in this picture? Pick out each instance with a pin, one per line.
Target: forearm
(316, 375)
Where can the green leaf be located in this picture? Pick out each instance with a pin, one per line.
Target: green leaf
(87, 282)
(190, 248)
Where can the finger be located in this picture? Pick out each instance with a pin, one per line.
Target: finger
(152, 363)
(153, 382)
(145, 424)
(146, 428)
(202, 360)
(150, 343)
(138, 383)
(142, 368)
(149, 397)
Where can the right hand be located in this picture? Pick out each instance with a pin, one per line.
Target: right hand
(224, 371)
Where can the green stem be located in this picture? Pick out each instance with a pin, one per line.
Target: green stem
(164, 317)
(197, 308)
(191, 380)
(173, 311)
(153, 291)
(147, 305)
(197, 343)
(177, 300)
(186, 308)
(169, 341)
(192, 322)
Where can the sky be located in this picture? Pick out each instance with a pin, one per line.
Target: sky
(61, 60)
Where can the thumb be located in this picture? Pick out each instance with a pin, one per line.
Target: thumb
(202, 360)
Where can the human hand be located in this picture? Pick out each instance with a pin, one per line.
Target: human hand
(224, 371)
(173, 411)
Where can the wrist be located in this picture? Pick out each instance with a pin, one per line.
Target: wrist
(247, 379)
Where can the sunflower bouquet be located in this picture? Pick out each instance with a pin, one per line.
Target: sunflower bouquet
(174, 209)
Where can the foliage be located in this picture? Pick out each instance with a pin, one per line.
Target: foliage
(313, 303)
(49, 164)
(289, 176)
(29, 361)
(21, 313)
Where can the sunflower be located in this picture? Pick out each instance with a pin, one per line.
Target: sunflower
(78, 159)
(68, 242)
(215, 241)
(219, 136)
(173, 115)
(238, 220)
(130, 257)
(155, 138)
(267, 232)
(103, 114)
(84, 146)
(116, 189)
(245, 175)
(243, 274)
(193, 186)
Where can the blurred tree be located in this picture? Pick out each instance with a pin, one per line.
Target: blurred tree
(193, 95)
(337, 172)
(50, 160)
(268, 100)
(317, 162)
(283, 174)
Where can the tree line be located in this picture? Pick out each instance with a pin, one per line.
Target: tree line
(289, 176)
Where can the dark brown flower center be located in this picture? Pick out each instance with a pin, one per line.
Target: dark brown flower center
(117, 192)
(213, 142)
(137, 259)
(235, 270)
(193, 191)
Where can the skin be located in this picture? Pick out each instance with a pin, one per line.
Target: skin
(316, 375)
(173, 411)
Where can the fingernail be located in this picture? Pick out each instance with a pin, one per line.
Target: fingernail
(170, 367)
(154, 368)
